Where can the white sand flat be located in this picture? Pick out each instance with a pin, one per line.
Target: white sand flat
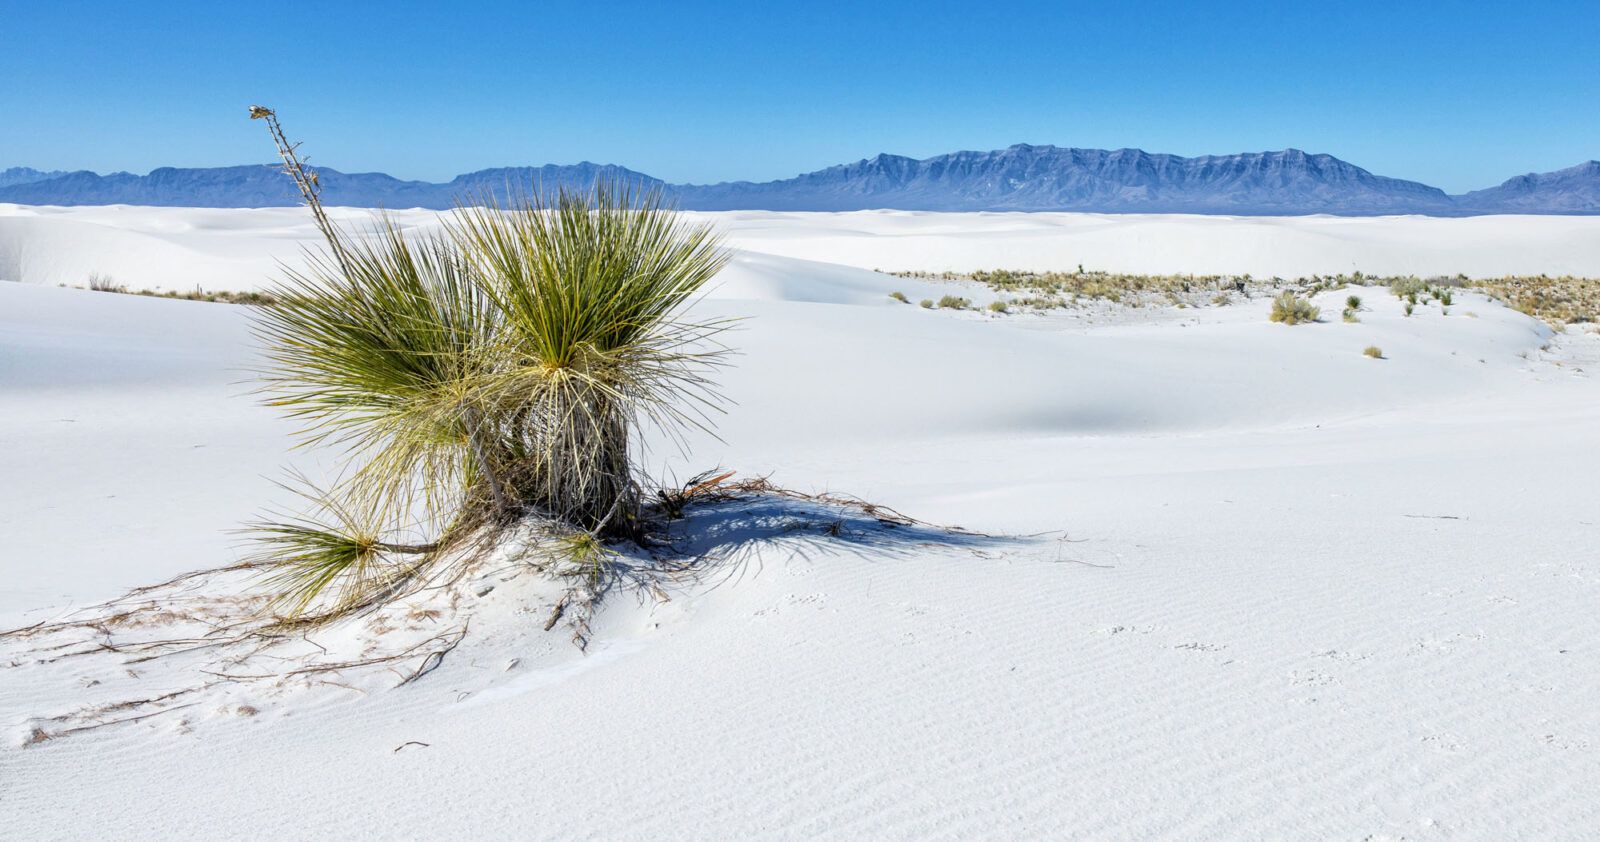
(1287, 591)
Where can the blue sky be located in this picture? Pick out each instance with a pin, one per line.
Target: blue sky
(1459, 95)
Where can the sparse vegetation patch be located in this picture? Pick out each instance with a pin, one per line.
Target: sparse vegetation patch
(1559, 301)
(103, 283)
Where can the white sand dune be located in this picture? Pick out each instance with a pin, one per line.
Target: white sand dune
(1287, 591)
(186, 248)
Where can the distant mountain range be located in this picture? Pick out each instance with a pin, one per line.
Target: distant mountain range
(1018, 178)
(26, 175)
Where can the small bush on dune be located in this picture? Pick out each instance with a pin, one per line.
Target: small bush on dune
(997, 307)
(1407, 288)
(899, 296)
(954, 302)
(926, 304)
(1291, 309)
(104, 283)
(1374, 352)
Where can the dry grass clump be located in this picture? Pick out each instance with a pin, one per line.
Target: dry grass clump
(104, 283)
(1373, 351)
(1291, 309)
(1040, 302)
(954, 302)
(899, 296)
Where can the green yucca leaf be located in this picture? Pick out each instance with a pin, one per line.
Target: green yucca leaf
(334, 556)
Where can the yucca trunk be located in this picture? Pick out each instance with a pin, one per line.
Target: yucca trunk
(490, 463)
(581, 471)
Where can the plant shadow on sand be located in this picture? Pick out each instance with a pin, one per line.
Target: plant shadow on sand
(199, 642)
(738, 531)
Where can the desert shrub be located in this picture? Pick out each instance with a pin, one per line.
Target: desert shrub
(491, 373)
(997, 306)
(104, 283)
(1290, 309)
(1410, 307)
(926, 304)
(1445, 298)
(899, 296)
(953, 302)
(1406, 288)
(1353, 302)
(1374, 352)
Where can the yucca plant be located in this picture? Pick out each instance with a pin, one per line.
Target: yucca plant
(588, 284)
(476, 377)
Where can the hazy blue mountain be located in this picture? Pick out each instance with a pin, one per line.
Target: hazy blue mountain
(1019, 178)
(26, 175)
(550, 176)
(265, 185)
(1031, 178)
(1572, 190)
